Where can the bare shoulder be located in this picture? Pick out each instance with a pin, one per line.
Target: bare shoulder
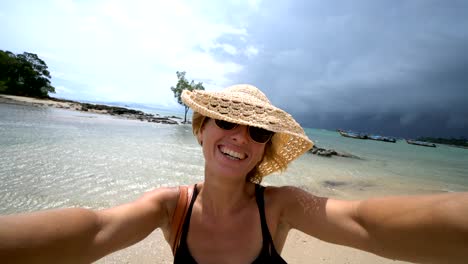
(295, 204)
(331, 220)
(287, 196)
(285, 199)
(164, 197)
(284, 206)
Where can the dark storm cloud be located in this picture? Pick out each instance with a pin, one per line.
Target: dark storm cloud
(399, 67)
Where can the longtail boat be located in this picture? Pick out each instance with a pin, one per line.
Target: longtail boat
(420, 143)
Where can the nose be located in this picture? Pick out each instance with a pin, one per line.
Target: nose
(240, 134)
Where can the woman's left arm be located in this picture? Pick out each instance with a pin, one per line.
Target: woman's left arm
(429, 228)
(420, 228)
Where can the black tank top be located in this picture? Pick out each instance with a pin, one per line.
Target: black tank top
(268, 252)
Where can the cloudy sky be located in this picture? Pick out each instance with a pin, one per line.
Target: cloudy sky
(391, 67)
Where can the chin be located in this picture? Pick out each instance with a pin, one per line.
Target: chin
(229, 173)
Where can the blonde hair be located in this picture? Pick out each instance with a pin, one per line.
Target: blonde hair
(254, 176)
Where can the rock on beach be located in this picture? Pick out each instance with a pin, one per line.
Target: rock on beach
(330, 152)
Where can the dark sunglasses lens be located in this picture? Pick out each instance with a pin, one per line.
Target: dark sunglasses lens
(225, 124)
(260, 135)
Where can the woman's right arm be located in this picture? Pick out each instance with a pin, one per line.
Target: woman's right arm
(78, 235)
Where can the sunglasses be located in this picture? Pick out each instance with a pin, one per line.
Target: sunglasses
(257, 134)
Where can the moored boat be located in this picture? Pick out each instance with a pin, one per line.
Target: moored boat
(357, 135)
(381, 138)
(351, 134)
(420, 143)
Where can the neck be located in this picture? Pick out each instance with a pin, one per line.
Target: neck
(220, 196)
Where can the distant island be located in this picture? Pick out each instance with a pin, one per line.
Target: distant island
(422, 141)
(461, 142)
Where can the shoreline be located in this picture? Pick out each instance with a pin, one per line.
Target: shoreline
(123, 112)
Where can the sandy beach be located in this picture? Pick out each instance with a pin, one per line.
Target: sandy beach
(299, 248)
(13, 99)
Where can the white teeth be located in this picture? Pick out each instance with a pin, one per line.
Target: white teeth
(232, 153)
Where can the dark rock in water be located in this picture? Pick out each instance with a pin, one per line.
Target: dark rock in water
(170, 122)
(347, 155)
(330, 152)
(113, 110)
(163, 120)
(326, 152)
(329, 183)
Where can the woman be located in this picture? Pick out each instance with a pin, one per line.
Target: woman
(232, 219)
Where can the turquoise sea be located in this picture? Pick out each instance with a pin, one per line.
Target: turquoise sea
(60, 158)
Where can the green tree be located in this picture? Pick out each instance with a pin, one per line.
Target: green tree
(183, 84)
(24, 74)
(8, 65)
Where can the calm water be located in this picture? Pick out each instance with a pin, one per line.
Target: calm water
(56, 158)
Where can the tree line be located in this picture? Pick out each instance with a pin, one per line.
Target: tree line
(24, 74)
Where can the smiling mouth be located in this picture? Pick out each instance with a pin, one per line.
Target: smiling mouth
(232, 154)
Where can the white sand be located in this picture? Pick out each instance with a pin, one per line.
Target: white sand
(299, 248)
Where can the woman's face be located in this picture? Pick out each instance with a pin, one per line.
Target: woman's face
(231, 153)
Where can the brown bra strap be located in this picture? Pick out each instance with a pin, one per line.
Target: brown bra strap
(185, 196)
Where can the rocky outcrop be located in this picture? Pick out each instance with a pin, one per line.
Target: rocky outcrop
(93, 108)
(330, 152)
(128, 113)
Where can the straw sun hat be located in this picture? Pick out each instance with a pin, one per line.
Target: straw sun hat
(246, 105)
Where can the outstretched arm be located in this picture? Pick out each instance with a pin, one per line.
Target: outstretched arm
(418, 228)
(79, 235)
(432, 228)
